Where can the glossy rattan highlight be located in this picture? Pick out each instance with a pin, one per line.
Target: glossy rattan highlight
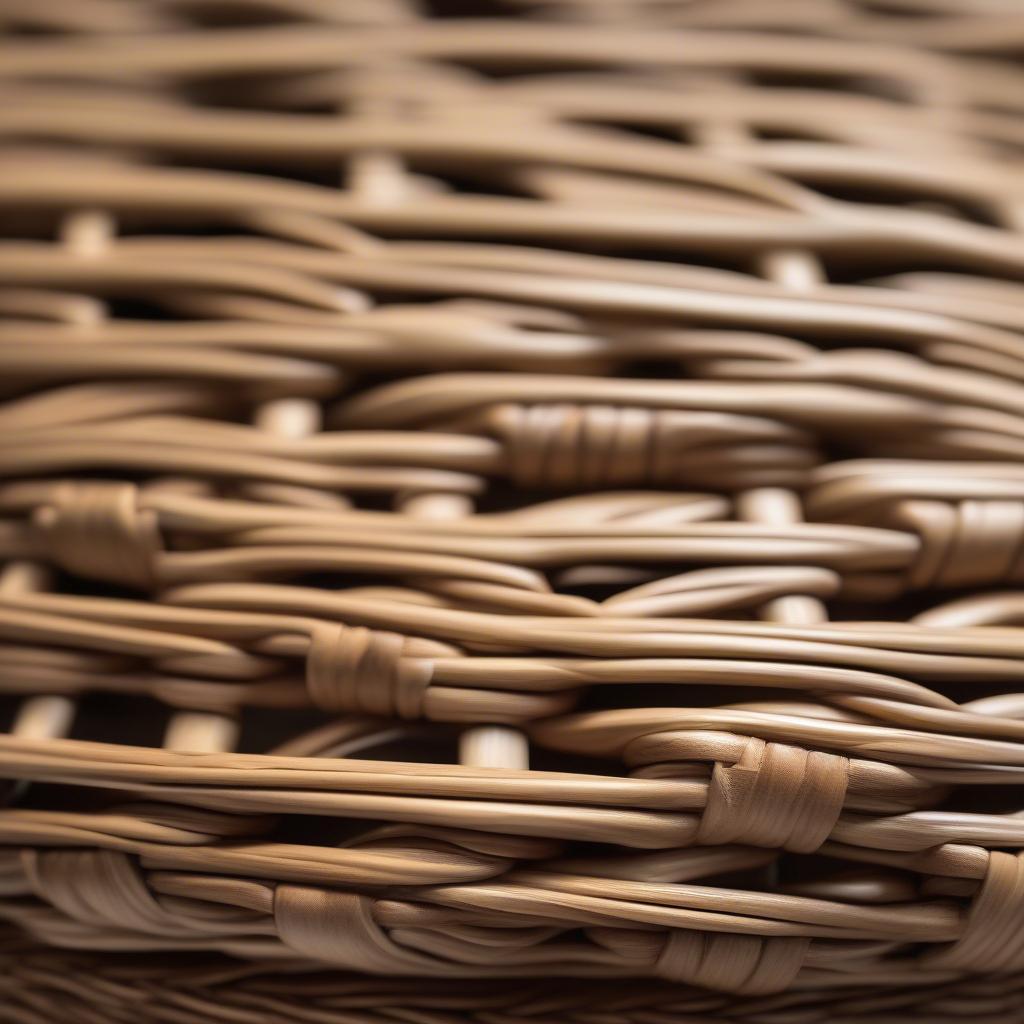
(535, 495)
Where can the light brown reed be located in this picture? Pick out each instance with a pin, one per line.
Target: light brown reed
(523, 497)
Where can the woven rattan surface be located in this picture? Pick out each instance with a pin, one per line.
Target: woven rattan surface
(495, 493)
(41, 985)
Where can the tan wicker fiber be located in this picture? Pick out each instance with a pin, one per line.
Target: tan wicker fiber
(524, 499)
(43, 985)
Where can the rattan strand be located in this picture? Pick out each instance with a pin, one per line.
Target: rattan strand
(523, 497)
(42, 984)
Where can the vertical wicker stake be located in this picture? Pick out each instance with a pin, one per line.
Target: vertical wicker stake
(380, 177)
(208, 732)
(201, 732)
(47, 716)
(796, 270)
(85, 234)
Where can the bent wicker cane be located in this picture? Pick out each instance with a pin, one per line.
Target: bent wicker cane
(495, 495)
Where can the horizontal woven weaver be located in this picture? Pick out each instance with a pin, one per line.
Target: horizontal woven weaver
(495, 493)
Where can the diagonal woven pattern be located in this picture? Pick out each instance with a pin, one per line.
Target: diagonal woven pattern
(526, 490)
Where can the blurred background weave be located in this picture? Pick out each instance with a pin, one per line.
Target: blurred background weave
(511, 511)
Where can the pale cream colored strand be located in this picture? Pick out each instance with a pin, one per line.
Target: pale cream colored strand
(494, 746)
(48, 716)
(85, 233)
(379, 177)
(209, 732)
(483, 746)
(375, 176)
(797, 271)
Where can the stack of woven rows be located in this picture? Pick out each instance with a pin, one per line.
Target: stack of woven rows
(501, 494)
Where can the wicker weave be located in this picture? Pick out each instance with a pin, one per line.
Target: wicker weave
(536, 494)
(40, 986)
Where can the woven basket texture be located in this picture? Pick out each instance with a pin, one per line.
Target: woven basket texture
(511, 511)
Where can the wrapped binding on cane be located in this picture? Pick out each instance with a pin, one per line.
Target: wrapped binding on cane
(503, 502)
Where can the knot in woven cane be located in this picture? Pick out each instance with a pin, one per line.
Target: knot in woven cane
(775, 796)
(339, 928)
(580, 447)
(966, 544)
(98, 530)
(366, 671)
(993, 939)
(740, 964)
(572, 446)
